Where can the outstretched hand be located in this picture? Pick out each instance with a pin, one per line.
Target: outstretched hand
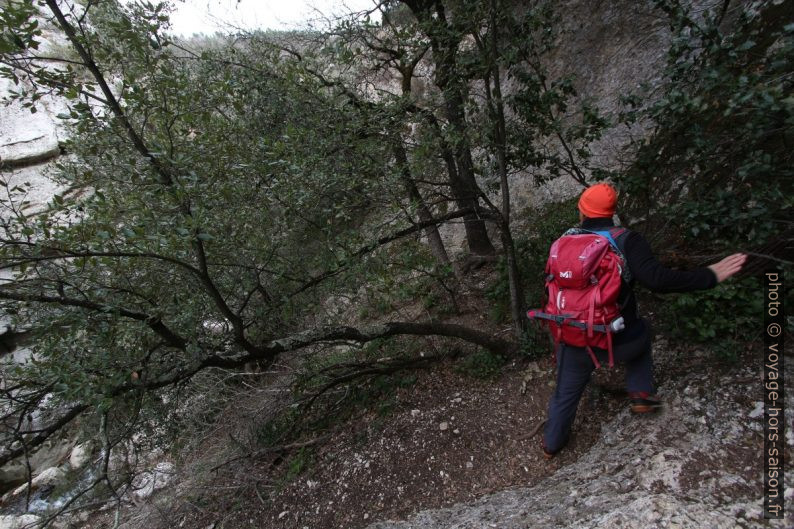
(728, 266)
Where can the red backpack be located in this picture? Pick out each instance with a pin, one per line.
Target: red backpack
(583, 279)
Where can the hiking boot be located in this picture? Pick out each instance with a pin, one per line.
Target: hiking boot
(546, 453)
(642, 402)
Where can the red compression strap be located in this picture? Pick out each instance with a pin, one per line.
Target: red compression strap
(591, 314)
(593, 357)
(609, 344)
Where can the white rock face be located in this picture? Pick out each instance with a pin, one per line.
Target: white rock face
(49, 476)
(52, 454)
(25, 137)
(81, 454)
(151, 481)
(48, 457)
(38, 189)
(26, 521)
(29, 142)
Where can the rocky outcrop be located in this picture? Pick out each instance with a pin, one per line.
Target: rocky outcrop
(696, 465)
(27, 139)
(29, 144)
(80, 455)
(51, 455)
(25, 521)
(609, 49)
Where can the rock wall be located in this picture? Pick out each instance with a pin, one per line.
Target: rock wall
(610, 48)
(29, 146)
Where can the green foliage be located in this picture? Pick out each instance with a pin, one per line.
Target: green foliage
(722, 318)
(19, 28)
(482, 364)
(545, 225)
(536, 341)
(716, 173)
(548, 111)
(718, 168)
(349, 380)
(297, 464)
(404, 275)
(261, 195)
(234, 189)
(280, 429)
(222, 194)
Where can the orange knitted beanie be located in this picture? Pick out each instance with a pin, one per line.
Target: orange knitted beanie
(598, 200)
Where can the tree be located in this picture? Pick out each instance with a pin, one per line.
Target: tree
(444, 39)
(715, 171)
(474, 48)
(717, 160)
(216, 212)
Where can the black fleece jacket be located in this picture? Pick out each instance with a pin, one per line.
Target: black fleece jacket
(649, 272)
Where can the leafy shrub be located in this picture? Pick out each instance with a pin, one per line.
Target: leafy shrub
(481, 364)
(716, 173)
(299, 462)
(718, 167)
(721, 318)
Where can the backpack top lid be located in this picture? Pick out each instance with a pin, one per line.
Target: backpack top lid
(574, 260)
(616, 235)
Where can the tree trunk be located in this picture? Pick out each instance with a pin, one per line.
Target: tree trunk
(444, 43)
(496, 107)
(464, 185)
(425, 216)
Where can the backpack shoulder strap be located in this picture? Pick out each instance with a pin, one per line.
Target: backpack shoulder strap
(609, 235)
(574, 231)
(618, 235)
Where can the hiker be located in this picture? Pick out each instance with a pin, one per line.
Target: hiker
(631, 343)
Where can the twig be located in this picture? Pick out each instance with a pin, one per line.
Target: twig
(271, 449)
(258, 494)
(534, 431)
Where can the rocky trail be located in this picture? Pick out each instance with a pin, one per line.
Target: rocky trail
(698, 464)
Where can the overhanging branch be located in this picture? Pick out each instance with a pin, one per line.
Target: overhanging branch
(268, 353)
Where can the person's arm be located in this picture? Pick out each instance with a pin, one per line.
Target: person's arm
(655, 276)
